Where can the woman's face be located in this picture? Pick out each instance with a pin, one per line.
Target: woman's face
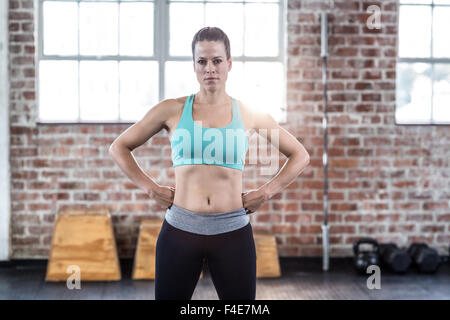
(210, 61)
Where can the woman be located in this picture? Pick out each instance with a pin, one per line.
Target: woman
(206, 215)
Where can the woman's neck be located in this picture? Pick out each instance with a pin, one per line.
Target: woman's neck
(212, 99)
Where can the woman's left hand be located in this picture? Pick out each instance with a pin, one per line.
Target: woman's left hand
(253, 199)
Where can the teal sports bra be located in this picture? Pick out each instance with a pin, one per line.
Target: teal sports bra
(194, 144)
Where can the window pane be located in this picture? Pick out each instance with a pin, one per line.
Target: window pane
(442, 2)
(185, 20)
(58, 90)
(441, 40)
(264, 86)
(230, 18)
(413, 93)
(138, 88)
(180, 80)
(136, 29)
(441, 97)
(98, 28)
(60, 21)
(415, 31)
(235, 82)
(261, 30)
(99, 90)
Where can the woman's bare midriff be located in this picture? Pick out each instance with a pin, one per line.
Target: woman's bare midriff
(206, 188)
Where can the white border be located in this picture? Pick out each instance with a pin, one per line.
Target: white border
(5, 200)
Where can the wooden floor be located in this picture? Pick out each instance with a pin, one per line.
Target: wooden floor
(302, 279)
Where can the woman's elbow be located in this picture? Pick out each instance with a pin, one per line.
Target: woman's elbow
(114, 149)
(304, 158)
(307, 158)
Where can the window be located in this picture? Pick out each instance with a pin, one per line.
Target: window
(110, 61)
(423, 66)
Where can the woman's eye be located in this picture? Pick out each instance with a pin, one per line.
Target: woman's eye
(201, 61)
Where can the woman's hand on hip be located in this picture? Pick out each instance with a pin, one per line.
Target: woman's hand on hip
(163, 195)
(253, 199)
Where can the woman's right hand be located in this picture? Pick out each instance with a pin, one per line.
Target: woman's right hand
(163, 195)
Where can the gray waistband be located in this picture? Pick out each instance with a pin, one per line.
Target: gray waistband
(206, 223)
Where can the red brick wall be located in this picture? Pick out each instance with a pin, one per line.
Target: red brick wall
(386, 181)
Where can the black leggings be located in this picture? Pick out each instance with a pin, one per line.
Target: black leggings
(231, 258)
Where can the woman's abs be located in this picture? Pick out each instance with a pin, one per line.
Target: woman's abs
(208, 189)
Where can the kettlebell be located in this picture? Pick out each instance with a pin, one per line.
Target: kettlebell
(363, 259)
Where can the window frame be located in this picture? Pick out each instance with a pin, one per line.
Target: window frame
(161, 38)
(431, 61)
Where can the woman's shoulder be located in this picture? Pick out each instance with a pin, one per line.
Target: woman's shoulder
(180, 100)
(174, 109)
(256, 119)
(174, 105)
(243, 105)
(247, 113)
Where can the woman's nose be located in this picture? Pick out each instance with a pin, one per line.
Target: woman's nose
(209, 66)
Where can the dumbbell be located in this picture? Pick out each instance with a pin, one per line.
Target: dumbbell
(425, 258)
(363, 259)
(397, 260)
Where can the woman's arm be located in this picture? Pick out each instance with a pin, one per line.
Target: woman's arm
(298, 157)
(136, 135)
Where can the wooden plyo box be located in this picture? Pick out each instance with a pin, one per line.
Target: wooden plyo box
(144, 259)
(83, 238)
(267, 262)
